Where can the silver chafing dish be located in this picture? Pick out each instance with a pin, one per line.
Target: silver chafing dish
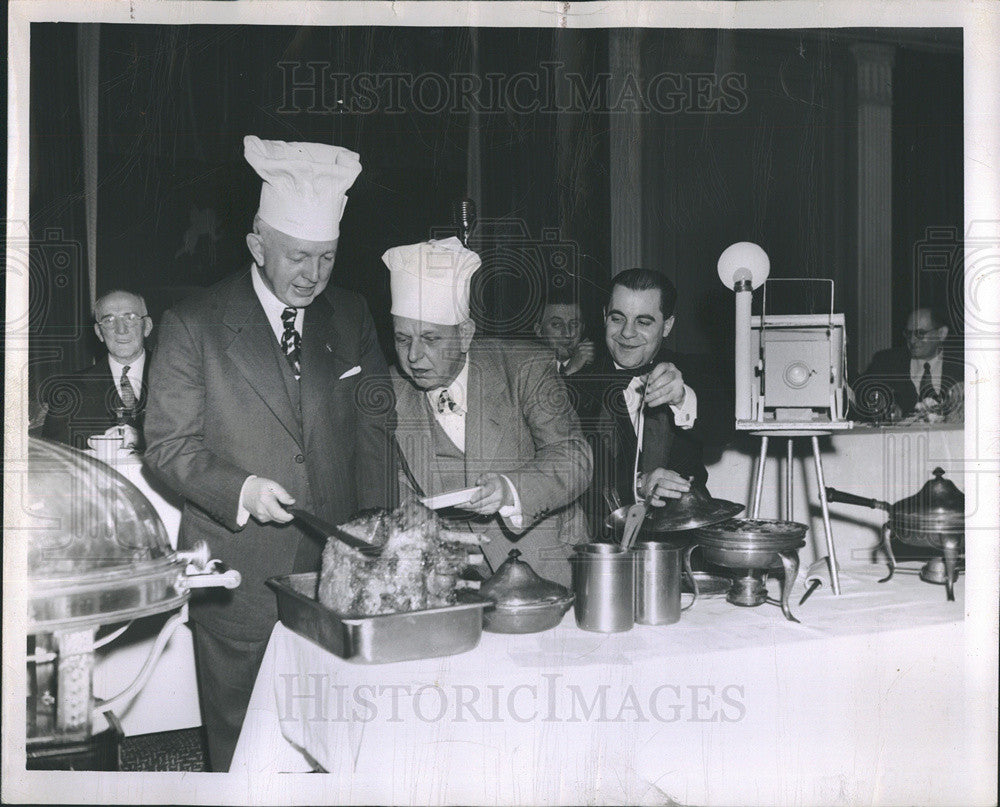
(98, 555)
(933, 518)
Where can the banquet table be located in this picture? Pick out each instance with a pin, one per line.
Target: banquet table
(863, 702)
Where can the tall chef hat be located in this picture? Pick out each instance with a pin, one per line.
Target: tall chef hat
(430, 281)
(303, 194)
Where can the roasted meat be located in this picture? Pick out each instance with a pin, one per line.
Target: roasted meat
(418, 568)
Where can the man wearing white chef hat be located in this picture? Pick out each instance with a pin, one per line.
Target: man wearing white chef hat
(483, 413)
(255, 394)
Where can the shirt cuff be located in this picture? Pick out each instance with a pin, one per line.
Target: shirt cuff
(512, 512)
(686, 414)
(242, 514)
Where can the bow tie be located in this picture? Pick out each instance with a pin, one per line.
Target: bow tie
(627, 375)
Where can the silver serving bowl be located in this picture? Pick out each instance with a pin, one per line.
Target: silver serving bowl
(532, 618)
(750, 543)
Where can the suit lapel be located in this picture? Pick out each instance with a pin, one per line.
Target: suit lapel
(254, 355)
(483, 423)
(322, 364)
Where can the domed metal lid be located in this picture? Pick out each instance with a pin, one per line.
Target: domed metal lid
(938, 500)
(693, 509)
(97, 550)
(516, 583)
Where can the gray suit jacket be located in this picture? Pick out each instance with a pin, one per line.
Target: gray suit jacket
(219, 410)
(520, 423)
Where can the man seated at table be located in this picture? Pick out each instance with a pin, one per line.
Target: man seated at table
(111, 393)
(918, 381)
(642, 398)
(484, 413)
(561, 328)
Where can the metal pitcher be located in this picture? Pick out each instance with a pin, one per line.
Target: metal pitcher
(658, 583)
(604, 585)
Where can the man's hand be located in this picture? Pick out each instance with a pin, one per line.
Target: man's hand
(582, 356)
(492, 495)
(664, 485)
(665, 386)
(129, 435)
(263, 499)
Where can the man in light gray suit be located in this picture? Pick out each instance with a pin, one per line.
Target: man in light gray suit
(484, 413)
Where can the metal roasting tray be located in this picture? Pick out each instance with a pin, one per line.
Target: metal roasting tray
(376, 639)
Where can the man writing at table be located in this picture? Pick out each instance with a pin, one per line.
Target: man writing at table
(110, 397)
(484, 413)
(257, 403)
(644, 399)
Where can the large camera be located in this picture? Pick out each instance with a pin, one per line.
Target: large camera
(790, 368)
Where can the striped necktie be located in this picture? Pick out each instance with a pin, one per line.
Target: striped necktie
(291, 342)
(127, 392)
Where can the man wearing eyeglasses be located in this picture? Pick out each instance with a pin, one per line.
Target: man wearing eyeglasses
(918, 381)
(111, 394)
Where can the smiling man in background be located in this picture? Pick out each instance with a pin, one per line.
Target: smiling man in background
(257, 403)
(112, 393)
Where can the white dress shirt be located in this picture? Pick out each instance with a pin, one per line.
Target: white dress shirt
(135, 369)
(917, 371)
(273, 307)
(453, 424)
(684, 415)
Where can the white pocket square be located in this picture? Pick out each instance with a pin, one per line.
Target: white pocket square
(353, 371)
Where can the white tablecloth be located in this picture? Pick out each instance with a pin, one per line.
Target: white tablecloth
(170, 699)
(861, 703)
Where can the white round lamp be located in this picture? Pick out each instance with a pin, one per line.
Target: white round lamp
(743, 267)
(743, 261)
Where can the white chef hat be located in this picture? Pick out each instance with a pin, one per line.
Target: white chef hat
(303, 193)
(430, 281)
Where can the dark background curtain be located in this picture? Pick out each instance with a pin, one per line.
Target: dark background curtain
(176, 197)
(51, 246)
(928, 188)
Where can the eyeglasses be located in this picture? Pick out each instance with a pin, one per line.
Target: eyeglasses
(130, 319)
(919, 333)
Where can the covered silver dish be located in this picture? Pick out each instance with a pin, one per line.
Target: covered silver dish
(933, 518)
(98, 555)
(522, 601)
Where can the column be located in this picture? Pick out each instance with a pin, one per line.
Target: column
(626, 155)
(874, 264)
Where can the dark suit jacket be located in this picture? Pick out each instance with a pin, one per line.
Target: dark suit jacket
(520, 423)
(85, 403)
(889, 373)
(610, 431)
(219, 410)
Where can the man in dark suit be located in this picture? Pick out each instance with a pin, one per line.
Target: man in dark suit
(112, 393)
(490, 414)
(561, 328)
(268, 390)
(647, 410)
(919, 380)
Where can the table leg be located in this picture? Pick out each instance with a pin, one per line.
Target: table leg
(788, 481)
(831, 552)
(758, 485)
